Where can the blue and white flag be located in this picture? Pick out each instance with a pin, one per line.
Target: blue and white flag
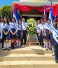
(51, 15)
(16, 14)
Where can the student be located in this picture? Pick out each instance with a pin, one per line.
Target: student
(24, 32)
(1, 32)
(13, 31)
(51, 36)
(1, 23)
(55, 40)
(5, 33)
(19, 33)
(41, 26)
(38, 31)
(47, 34)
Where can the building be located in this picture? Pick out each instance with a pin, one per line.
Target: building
(35, 8)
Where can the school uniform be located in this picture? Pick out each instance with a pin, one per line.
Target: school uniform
(41, 26)
(18, 41)
(1, 24)
(0, 30)
(24, 32)
(5, 28)
(38, 32)
(55, 42)
(19, 31)
(51, 35)
(0, 34)
(5, 38)
(47, 29)
(47, 35)
(13, 28)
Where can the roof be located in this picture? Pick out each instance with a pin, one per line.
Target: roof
(35, 2)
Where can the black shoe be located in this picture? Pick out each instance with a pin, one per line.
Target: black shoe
(56, 61)
(12, 45)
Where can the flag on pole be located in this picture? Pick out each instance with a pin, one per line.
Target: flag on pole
(44, 11)
(16, 14)
(51, 15)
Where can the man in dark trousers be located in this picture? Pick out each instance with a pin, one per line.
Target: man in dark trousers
(24, 32)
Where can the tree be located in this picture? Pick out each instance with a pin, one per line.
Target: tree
(6, 11)
(0, 12)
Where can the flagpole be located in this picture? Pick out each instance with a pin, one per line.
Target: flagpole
(51, 15)
(51, 7)
(44, 11)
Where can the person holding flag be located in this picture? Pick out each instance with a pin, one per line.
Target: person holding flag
(52, 18)
(54, 31)
(47, 34)
(55, 40)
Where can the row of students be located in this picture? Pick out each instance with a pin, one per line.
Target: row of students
(43, 33)
(13, 32)
(50, 36)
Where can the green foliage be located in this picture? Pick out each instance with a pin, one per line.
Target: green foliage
(0, 12)
(6, 11)
(31, 25)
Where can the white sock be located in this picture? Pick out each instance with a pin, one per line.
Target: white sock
(53, 49)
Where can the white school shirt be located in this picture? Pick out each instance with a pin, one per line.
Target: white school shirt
(19, 27)
(54, 33)
(41, 26)
(1, 25)
(13, 25)
(55, 36)
(24, 26)
(38, 29)
(5, 25)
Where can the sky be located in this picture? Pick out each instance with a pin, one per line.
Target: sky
(6, 2)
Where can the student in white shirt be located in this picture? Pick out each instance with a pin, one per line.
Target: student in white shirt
(41, 26)
(37, 28)
(24, 31)
(5, 32)
(13, 31)
(1, 23)
(1, 32)
(55, 40)
(38, 31)
(19, 33)
(47, 34)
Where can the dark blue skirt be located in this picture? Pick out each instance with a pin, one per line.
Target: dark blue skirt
(12, 36)
(5, 36)
(19, 34)
(53, 42)
(47, 34)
